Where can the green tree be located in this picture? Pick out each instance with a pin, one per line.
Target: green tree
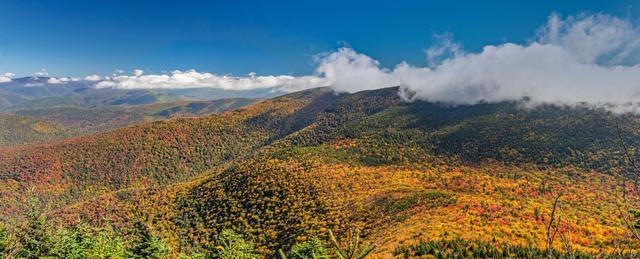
(192, 256)
(67, 243)
(310, 249)
(4, 238)
(83, 242)
(104, 243)
(34, 236)
(355, 248)
(230, 245)
(148, 246)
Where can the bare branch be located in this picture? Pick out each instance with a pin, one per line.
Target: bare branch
(550, 227)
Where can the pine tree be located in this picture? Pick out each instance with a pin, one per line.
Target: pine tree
(104, 243)
(4, 239)
(34, 237)
(147, 245)
(230, 245)
(68, 243)
(310, 249)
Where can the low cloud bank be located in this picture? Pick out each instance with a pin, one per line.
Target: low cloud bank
(62, 80)
(42, 72)
(6, 77)
(93, 78)
(584, 58)
(192, 78)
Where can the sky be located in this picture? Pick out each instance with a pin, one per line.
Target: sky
(80, 38)
(560, 52)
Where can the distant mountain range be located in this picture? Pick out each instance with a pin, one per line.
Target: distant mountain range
(77, 107)
(36, 92)
(102, 118)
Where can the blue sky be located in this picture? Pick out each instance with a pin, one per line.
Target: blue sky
(77, 38)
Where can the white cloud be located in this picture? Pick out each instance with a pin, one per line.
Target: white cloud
(6, 77)
(61, 80)
(444, 48)
(595, 39)
(192, 78)
(93, 78)
(584, 58)
(593, 59)
(580, 59)
(346, 70)
(55, 81)
(42, 72)
(138, 72)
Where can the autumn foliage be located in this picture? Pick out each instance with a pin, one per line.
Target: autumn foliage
(414, 178)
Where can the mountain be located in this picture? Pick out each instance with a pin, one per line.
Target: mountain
(38, 93)
(157, 152)
(99, 119)
(292, 167)
(22, 130)
(83, 109)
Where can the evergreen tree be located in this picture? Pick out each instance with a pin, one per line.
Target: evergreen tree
(34, 237)
(230, 245)
(310, 249)
(355, 248)
(105, 243)
(4, 239)
(68, 243)
(147, 245)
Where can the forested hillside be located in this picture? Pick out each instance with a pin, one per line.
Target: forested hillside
(16, 130)
(99, 119)
(413, 178)
(159, 152)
